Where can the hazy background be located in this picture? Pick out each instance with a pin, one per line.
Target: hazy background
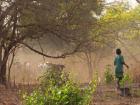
(28, 67)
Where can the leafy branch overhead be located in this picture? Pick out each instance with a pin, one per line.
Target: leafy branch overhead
(67, 21)
(121, 21)
(61, 25)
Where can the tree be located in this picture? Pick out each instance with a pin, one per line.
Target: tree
(120, 19)
(138, 1)
(121, 24)
(66, 21)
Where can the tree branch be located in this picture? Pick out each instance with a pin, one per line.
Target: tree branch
(138, 1)
(41, 49)
(55, 32)
(4, 14)
(64, 55)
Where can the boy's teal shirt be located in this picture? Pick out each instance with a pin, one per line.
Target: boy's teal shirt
(118, 62)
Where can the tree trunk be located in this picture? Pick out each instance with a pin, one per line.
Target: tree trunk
(3, 65)
(89, 65)
(9, 67)
(3, 74)
(0, 64)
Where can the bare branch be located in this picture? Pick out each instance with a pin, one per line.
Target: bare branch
(64, 55)
(57, 33)
(41, 48)
(138, 1)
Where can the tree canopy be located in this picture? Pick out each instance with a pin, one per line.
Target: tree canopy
(66, 21)
(119, 22)
(61, 21)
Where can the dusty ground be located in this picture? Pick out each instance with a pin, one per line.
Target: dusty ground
(105, 95)
(113, 99)
(108, 95)
(9, 97)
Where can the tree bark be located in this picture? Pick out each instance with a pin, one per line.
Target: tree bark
(9, 67)
(0, 63)
(3, 67)
(3, 74)
(89, 64)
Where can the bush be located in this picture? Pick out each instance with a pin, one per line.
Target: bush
(54, 76)
(61, 90)
(127, 80)
(109, 78)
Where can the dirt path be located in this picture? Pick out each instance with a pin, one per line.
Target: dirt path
(110, 99)
(110, 96)
(103, 96)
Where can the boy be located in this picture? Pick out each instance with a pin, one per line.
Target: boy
(119, 62)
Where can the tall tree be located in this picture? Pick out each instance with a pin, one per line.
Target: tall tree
(67, 21)
(121, 24)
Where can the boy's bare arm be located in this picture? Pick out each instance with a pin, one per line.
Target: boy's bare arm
(125, 65)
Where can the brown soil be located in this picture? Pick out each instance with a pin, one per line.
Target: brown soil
(108, 95)
(9, 97)
(105, 95)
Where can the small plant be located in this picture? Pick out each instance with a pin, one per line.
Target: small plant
(109, 78)
(61, 90)
(127, 80)
(54, 76)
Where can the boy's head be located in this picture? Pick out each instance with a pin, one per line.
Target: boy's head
(118, 51)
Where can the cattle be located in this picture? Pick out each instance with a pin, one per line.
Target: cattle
(50, 65)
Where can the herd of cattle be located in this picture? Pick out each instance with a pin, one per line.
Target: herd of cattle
(27, 72)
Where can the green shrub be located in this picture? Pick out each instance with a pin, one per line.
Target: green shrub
(127, 80)
(53, 76)
(109, 77)
(61, 90)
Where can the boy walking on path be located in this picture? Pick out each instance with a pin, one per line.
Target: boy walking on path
(119, 62)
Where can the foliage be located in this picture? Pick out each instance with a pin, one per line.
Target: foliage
(60, 21)
(55, 24)
(54, 76)
(66, 93)
(127, 80)
(117, 23)
(108, 75)
(120, 18)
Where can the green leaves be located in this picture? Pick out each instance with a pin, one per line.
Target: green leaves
(66, 93)
(35, 98)
(127, 80)
(118, 19)
(109, 77)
